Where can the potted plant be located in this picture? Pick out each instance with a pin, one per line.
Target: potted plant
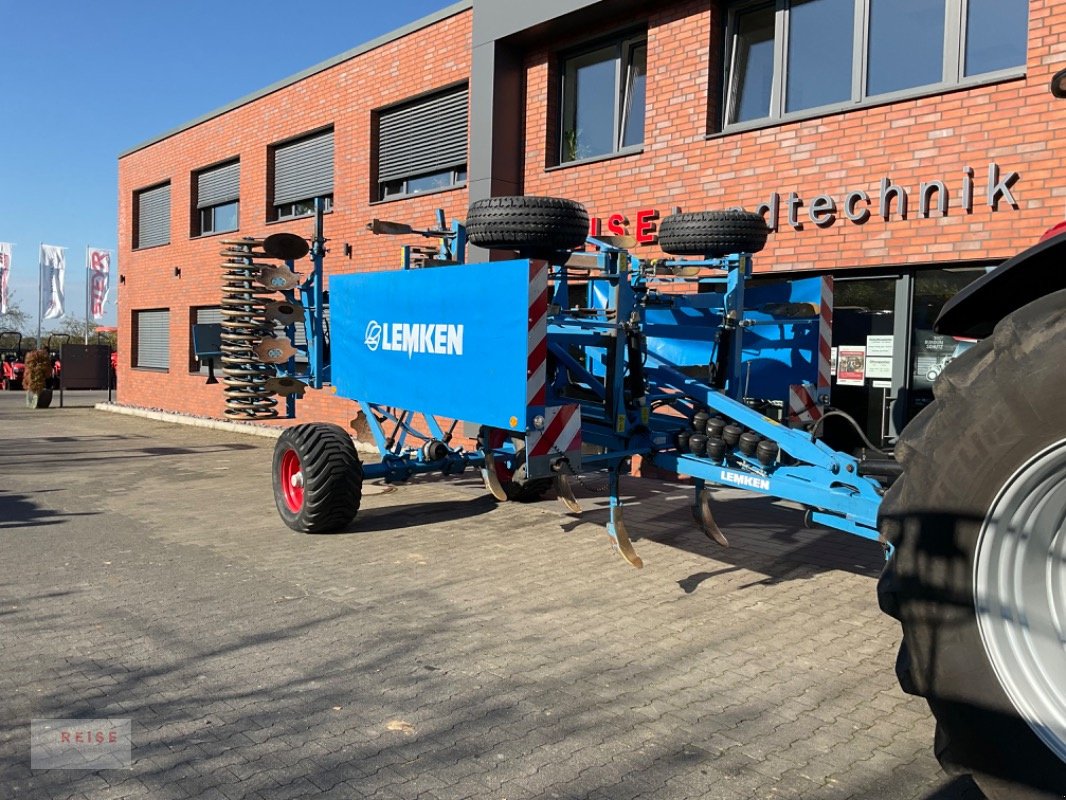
(37, 378)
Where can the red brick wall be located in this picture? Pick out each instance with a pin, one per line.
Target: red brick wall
(1013, 123)
(343, 96)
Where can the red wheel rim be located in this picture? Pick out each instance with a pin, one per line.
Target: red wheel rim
(292, 481)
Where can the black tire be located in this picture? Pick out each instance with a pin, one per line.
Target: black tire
(537, 225)
(713, 233)
(332, 478)
(996, 407)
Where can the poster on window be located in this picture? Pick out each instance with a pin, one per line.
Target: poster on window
(932, 354)
(99, 266)
(851, 366)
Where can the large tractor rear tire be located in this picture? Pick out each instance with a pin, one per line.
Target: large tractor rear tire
(318, 479)
(538, 225)
(713, 233)
(978, 575)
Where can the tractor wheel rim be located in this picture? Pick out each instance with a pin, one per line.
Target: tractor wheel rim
(1020, 593)
(292, 481)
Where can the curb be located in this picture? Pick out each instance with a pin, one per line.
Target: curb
(246, 428)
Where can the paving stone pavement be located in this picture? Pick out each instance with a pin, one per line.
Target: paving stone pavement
(445, 647)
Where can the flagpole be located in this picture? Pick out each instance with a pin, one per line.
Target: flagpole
(40, 311)
(87, 290)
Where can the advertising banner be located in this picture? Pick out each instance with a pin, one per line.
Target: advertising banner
(5, 271)
(53, 269)
(98, 264)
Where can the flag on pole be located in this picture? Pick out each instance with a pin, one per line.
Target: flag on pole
(53, 268)
(5, 270)
(99, 267)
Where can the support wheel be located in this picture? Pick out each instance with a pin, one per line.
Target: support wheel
(540, 226)
(978, 577)
(713, 233)
(318, 480)
(512, 479)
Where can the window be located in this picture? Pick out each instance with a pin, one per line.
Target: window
(302, 173)
(603, 100)
(217, 199)
(794, 56)
(151, 223)
(422, 145)
(151, 334)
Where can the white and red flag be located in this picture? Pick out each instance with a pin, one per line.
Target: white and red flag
(53, 269)
(5, 271)
(98, 264)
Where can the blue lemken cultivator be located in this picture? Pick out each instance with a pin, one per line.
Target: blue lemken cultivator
(573, 358)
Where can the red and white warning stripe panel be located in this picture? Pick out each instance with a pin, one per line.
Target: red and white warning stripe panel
(536, 372)
(803, 405)
(559, 436)
(825, 337)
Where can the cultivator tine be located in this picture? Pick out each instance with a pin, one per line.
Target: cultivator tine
(492, 481)
(702, 512)
(616, 529)
(566, 494)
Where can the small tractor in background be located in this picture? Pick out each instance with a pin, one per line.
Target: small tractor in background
(12, 365)
(576, 357)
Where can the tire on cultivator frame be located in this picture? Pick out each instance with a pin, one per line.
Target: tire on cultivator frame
(978, 576)
(713, 233)
(318, 479)
(537, 225)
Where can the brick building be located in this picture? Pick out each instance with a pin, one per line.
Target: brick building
(902, 147)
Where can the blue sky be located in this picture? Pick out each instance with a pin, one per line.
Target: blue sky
(81, 82)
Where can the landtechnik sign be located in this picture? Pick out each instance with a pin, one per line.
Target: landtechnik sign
(889, 200)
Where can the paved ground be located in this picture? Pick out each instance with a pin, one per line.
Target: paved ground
(445, 647)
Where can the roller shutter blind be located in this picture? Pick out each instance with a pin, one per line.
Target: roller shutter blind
(303, 169)
(153, 216)
(205, 316)
(219, 185)
(426, 136)
(153, 339)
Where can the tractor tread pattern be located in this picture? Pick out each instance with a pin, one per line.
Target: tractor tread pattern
(546, 224)
(333, 477)
(713, 233)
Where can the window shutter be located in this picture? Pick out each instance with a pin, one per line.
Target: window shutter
(153, 339)
(219, 185)
(153, 216)
(209, 316)
(303, 169)
(426, 136)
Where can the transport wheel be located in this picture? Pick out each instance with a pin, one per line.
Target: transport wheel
(318, 480)
(543, 225)
(713, 233)
(978, 575)
(516, 485)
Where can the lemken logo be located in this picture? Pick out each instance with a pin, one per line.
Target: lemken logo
(433, 338)
(747, 481)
